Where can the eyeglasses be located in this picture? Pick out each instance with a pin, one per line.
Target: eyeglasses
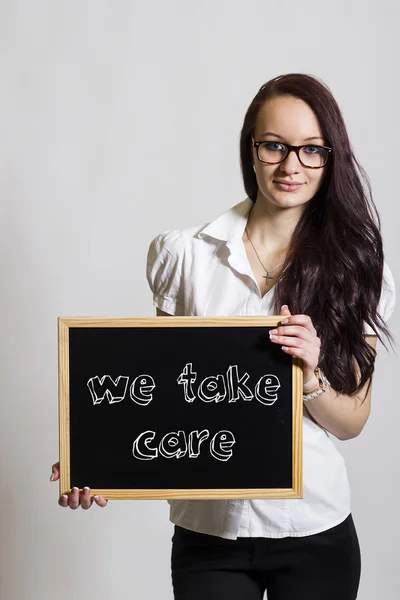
(310, 155)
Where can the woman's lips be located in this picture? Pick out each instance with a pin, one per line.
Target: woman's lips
(288, 187)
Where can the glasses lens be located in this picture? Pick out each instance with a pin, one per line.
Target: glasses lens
(310, 156)
(313, 156)
(272, 152)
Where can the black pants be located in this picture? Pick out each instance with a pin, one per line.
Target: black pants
(324, 566)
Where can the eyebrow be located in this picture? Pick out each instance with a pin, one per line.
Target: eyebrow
(315, 137)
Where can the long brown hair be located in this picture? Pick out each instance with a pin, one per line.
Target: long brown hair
(334, 266)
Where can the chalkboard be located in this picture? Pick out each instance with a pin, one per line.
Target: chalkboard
(179, 407)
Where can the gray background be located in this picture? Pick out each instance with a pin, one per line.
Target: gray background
(120, 120)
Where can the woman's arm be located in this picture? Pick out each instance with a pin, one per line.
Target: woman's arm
(343, 416)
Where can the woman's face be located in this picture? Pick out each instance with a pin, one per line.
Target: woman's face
(287, 119)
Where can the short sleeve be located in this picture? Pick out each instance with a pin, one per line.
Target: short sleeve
(387, 300)
(164, 272)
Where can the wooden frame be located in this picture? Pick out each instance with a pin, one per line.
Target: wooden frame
(65, 323)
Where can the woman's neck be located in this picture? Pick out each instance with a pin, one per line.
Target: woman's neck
(272, 227)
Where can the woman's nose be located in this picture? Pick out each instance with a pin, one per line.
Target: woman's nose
(291, 164)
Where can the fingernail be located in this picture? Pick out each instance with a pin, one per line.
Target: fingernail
(75, 489)
(52, 477)
(64, 497)
(96, 497)
(284, 321)
(284, 306)
(85, 490)
(273, 332)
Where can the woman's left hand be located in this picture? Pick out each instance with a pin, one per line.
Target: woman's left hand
(299, 338)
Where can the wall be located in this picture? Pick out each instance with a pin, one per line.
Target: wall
(120, 120)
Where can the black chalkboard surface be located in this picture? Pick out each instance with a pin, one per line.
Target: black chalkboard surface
(178, 407)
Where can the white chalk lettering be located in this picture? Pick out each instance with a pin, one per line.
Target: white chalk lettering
(173, 444)
(221, 445)
(237, 386)
(186, 378)
(141, 449)
(143, 395)
(195, 439)
(215, 386)
(266, 389)
(106, 387)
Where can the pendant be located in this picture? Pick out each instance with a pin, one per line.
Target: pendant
(268, 276)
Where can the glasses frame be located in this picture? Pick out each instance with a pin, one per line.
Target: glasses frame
(289, 149)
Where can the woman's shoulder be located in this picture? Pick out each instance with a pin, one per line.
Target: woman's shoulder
(388, 279)
(167, 254)
(169, 241)
(175, 241)
(387, 299)
(388, 293)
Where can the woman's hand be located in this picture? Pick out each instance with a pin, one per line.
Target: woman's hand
(75, 498)
(299, 338)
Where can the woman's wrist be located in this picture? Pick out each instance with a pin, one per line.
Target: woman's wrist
(311, 385)
(308, 392)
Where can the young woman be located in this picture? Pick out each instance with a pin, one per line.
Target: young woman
(304, 244)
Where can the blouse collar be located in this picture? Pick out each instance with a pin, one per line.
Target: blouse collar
(231, 224)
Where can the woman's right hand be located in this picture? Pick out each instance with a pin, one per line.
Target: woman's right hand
(76, 498)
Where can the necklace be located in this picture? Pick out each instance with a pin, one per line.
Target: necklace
(268, 275)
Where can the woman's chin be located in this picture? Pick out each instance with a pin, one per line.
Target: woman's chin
(285, 200)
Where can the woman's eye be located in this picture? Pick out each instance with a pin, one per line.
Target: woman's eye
(312, 149)
(273, 146)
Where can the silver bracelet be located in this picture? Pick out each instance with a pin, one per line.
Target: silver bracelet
(323, 384)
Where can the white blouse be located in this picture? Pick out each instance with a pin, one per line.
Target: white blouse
(204, 271)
